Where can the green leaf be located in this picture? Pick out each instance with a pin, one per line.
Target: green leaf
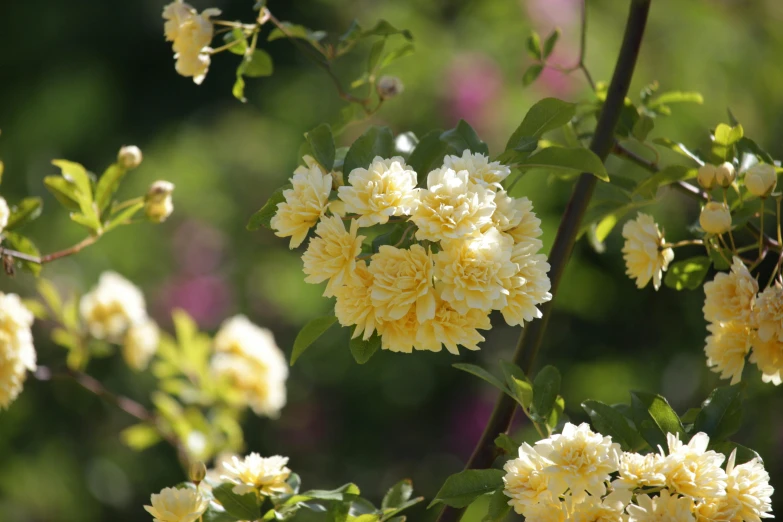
(655, 418)
(398, 494)
(384, 28)
(688, 273)
(546, 115)
(678, 148)
(376, 141)
(551, 41)
(518, 384)
(464, 487)
(267, 212)
(546, 386)
(238, 90)
(140, 436)
(51, 296)
(463, 137)
(400, 52)
(363, 350)
(659, 104)
(670, 174)
(63, 190)
(744, 454)
(747, 145)
(507, 444)
(20, 243)
(533, 45)
(375, 54)
(572, 160)
(554, 416)
(344, 492)
(499, 507)
(718, 261)
(23, 212)
(296, 31)
(124, 216)
(236, 35)
(108, 184)
(532, 73)
(309, 334)
(642, 127)
(321, 144)
(723, 140)
(258, 64)
(215, 513)
(76, 173)
(721, 414)
(609, 421)
(428, 155)
(481, 373)
(243, 507)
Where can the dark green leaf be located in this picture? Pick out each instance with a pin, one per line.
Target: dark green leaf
(670, 174)
(384, 28)
(642, 128)
(609, 421)
(243, 507)
(747, 145)
(481, 373)
(236, 35)
(321, 144)
(215, 514)
(258, 64)
(309, 334)
(546, 386)
(398, 494)
(720, 262)
(376, 141)
(353, 33)
(688, 273)
(721, 414)
(533, 44)
(551, 41)
(573, 160)
(22, 244)
(507, 444)
(499, 507)
(655, 418)
(462, 138)
(532, 73)
(363, 350)
(428, 155)
(690, 416)
(518, 383)
(23, 212)
(464, 487)
(267, 212)
(744, 454)
(546, 115)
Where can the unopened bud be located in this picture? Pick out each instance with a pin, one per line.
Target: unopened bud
(725, 174)
(389, 87)
(761, 179)
(715, 218)
(197, 472)
(157, 203)
(706, 176)
(129, 157)
(337, 179)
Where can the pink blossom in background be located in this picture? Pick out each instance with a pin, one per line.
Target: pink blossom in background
(473, 82)
(198, 247)
(207, 298)
(548, 14)
(467, 424)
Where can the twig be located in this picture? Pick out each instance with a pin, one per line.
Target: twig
(48, 258)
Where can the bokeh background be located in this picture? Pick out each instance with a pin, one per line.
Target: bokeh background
(80, 79)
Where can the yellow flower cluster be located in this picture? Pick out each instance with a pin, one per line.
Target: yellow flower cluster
(254, 473)
(741, 322)
(190, 34)
(115, 311)
(466, 248)
(646, 257)
(567, 477)
(17, 353)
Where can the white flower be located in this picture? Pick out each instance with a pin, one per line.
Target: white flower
(731, 297)
(17, 353)
(528, 287)
(451, 207)
(748, 492)
(387, 188)
(509, 212)
(645, 257)
(449, 328)
(581, 461)
(304, 204)
(592, 509)
(129, 157)
(726, 349)
(112, 307)
(761, 179)
(525, 481)
(664, 508)
(354, 303)
(5, 213)
(332, 255)
(693, 471)
(715, 218)
(639, 471)
(248, 357)
(177, 505)
(266, 475)
(706, 176)
(481, 170)
(402, 281)
(141, 343)
(528, 230)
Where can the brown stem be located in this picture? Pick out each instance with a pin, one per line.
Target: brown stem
(48, 258)
(601, 144)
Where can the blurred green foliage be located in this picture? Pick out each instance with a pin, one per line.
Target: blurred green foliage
(81, 79)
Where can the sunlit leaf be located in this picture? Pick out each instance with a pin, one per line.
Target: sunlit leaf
(23, 212)
(264, 216)
(721, 414)
(464, 487)
(687, 273)
(572, 160)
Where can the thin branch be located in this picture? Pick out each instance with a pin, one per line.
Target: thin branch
(48, 258)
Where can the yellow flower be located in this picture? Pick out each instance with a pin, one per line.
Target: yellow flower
(768, 356)
(332, 255)
(191, 35)
(509, 212)
(157, 203)
(768, 313)
(528, 230)
(141, 343)
(473, 271)
(748, 493)
(639, 471)
(267, 475)
(478, 166)
(193, 65)
(249, 360)
(176, 15)
(715, 218)
(525, 481)
(592, 509)
(451, 207)
(664, 507)
(5, 213)
(387, 188)
(581, 461)
(692, 470)
(17, 353)
(354, 303)
(554, 511)
(726, 349)
(129, 157)
(304, 204)
(761, 179)
(400, 335)
(112, 307)
(730, 297)
(528, 288)
(402, 280)
(177, 505)
(645, 257)
(449, 328)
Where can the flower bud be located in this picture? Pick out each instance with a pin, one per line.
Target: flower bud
(715, 218)
(337, 179)
(157, 203)
(129, 157)
(197, 471)
(389, 87)
(761, 179)
(706, 176)
(725, 174)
